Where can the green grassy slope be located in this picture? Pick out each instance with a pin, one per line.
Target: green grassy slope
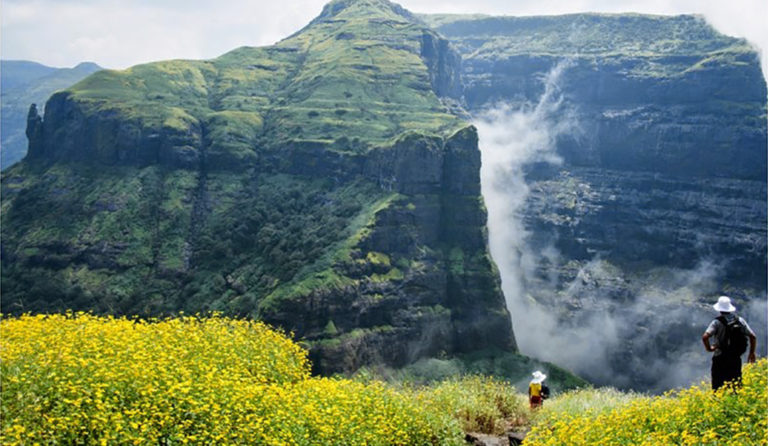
(353, 77)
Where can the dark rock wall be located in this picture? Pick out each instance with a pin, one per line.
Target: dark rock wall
(69, 134)
(663, 175)
(446, 296)
(641, 219)
(684, 159)
(444, 65)
(704, 122)
(23, 83)
(677, 140)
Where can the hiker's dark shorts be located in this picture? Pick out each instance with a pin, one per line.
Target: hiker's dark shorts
(725, 368)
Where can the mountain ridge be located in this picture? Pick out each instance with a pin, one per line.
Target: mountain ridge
(320, 184)
(330, 184)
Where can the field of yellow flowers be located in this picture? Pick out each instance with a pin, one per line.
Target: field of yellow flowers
(82, 379)
(76, 378)
(693, 416)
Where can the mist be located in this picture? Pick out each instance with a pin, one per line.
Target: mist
(613, 327)
(511, 138)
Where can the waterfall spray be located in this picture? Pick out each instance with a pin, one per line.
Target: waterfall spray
(510, 138)
(600, 338)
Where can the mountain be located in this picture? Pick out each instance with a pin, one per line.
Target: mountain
(331, 184)
(320, 184)
(651, 198)
(23, 83)
(17, 73)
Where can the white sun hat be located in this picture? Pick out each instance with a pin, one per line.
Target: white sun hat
(538, 376)
(724, 305)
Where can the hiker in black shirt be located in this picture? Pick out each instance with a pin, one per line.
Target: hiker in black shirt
(728, 333)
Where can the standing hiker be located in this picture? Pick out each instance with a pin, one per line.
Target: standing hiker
(537, 391)
(729, 334)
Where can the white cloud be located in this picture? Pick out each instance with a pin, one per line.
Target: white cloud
(117, 34)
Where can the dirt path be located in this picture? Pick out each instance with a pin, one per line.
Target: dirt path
(510, 438)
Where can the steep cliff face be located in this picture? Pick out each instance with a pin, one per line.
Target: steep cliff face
(652, 93)
(651, 199)
(319, 184)
(418, 280)
(24, 83)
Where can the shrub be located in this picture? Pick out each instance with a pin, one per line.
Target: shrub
(481, 404)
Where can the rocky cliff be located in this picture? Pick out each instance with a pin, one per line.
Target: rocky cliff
(648, 197)
(23, 83)
(320, 184)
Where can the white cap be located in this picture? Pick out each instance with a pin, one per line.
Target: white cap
(538, 377)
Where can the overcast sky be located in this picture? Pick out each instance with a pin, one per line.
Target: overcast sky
(121, 33)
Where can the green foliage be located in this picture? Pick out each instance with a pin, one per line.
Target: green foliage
(481, 404)
(330, 328)
(393, 274)
(277, 235)
(323, 273)
(377, 258)
(456, 261)
(257, 236)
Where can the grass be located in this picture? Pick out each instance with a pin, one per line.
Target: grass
(479, 403)
(588, 401)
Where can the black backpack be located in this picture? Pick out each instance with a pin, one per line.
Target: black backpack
(544, 392)
(734, 341)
